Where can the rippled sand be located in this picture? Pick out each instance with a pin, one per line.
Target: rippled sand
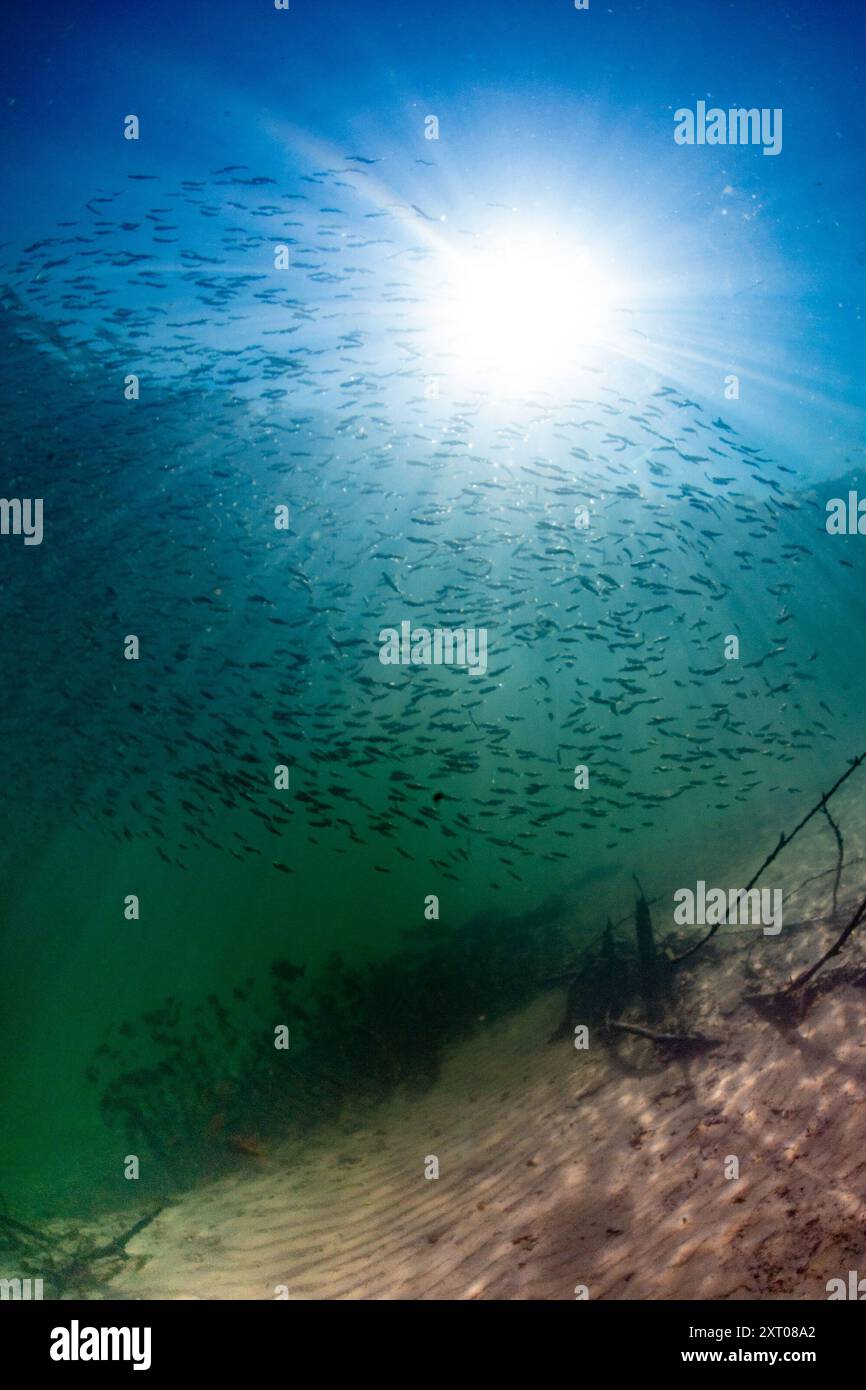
(623, 1191)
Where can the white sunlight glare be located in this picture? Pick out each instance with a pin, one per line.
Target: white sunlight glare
(523, 310)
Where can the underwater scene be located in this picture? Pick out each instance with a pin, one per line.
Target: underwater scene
(432, 564)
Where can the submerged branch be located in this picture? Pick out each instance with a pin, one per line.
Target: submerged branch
(784, 840)
(67, 1261)
(667, 1039)
(118, 1245)
(646, 950)
(806, 976)
(840, 846)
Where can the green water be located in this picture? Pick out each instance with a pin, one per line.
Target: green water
(260, 648)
